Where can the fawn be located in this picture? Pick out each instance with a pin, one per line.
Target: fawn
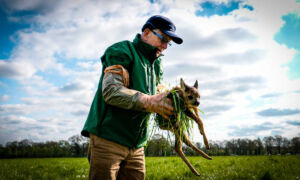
(190, 100)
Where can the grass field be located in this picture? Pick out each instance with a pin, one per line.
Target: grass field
(237, 167)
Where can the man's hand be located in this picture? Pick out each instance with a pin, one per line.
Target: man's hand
(158, 103)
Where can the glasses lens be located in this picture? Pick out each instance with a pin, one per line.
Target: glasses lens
(163, 40)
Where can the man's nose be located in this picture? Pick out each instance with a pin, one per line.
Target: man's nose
(164, 45)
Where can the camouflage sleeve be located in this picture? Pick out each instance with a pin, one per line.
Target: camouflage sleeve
(115, 91)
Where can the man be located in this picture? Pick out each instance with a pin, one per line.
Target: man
(117, 123)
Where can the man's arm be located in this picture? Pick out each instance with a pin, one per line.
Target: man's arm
(115, 89)
(116, 92)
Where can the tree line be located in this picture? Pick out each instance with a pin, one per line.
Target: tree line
(75, 146)
(158, 145)
(270, 145)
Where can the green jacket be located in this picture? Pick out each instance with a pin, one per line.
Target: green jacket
(126, 127)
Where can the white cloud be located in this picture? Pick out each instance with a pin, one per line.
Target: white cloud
(3, 98)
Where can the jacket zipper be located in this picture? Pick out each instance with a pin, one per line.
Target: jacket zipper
(150, 89)
(148, 79)
(151, 82)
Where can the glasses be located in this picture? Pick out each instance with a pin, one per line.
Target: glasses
(163, 40)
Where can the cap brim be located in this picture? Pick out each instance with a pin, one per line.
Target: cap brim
(174, 37)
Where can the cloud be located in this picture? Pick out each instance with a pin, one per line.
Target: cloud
(71, 87)
(18, 128)
(196, 40)
(15, 119)
(80, 113)
(244, 58)
(16, 109)
(278, 112)
(255, 129)
(216, 109)
(294, 123)
(232, 85)
(184, 69)
(271, 95)
(235, 34)
(4, 98)
(30, 5)
(15, 70)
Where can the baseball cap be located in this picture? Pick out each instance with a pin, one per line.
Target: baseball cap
(165, 25)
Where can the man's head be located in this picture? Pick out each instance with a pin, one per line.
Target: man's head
(158, 31)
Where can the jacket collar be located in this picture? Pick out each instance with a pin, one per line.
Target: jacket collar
(147, 50)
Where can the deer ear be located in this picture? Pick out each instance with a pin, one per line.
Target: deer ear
(182, 84)
(196, 84)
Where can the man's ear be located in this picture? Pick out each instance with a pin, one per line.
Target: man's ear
(182, 84)
(146, 33)
(196, 84)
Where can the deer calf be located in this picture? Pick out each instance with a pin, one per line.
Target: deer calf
(189, 101)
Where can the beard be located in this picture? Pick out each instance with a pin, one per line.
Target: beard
(158, 52)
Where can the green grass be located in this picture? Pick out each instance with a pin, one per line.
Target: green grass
(238, 167)
(241, 167)
(44, 168)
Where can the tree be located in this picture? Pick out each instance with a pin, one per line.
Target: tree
(12, 149)
(251, 147)
(65, 148)
(295, 145)
(269, 143)
(259, 148)
(214, 148)
(229, 146)
(285, 146)
(159, 146)
(278, 143)
(2, 151)
(78, 145)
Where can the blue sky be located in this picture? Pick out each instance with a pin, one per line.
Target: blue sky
(244, 54)
(6, 44)
(210, 8)
(289, 36)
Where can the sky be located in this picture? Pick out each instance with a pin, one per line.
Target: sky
(244, 54)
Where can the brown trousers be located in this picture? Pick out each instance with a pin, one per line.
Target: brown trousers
(111, 161)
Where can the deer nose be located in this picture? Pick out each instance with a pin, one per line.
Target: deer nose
(197, 103)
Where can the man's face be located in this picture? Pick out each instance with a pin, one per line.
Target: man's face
(157, 39)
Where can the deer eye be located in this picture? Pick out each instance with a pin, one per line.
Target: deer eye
(190, 97)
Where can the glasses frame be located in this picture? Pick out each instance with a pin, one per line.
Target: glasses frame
(162, 39)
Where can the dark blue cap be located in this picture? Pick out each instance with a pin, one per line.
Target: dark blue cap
(165, 25)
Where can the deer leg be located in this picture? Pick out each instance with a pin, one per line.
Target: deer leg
(178, 149)
(201, 127)
(190, 144)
